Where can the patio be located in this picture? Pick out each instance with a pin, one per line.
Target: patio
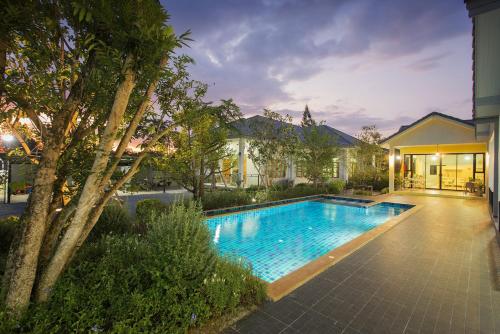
(432, 273)
(439, 193)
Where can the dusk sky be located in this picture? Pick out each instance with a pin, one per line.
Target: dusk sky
(354, 62)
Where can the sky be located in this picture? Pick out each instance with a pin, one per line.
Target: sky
(353, 62)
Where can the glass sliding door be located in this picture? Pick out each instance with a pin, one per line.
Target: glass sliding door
(465, 168)
(449, 171)
(432, 171)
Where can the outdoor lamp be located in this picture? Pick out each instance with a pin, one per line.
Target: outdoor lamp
(7, 137)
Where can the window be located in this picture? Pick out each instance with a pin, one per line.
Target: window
(277, 169)
(333, 170)
(336, 169)
(299, 170)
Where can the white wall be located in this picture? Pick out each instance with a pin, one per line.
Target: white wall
(435, 130)
(491, 161)
(252, 173)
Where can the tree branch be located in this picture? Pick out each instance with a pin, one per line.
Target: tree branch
(146, 102)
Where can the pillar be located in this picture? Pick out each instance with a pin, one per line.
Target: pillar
(496, 165)
(391, 169)
(241, 158)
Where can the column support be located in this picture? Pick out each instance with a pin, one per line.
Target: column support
(496, 145)
(391, 169)
(241, 165)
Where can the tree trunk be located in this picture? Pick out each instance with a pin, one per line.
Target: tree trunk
(22, 263)
(201, 189)
(90, 193)
(53, 232)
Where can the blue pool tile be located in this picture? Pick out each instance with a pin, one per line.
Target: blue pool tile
(278, 240)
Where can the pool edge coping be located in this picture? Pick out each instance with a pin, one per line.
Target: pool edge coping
(286, 284)
(251, 207)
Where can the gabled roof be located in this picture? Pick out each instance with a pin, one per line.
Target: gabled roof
(244, 126)
(403, 128)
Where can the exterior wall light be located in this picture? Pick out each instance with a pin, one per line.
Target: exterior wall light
(7, 137)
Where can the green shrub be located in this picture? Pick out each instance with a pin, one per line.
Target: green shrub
(370, 177)
(335, 186)
(8, 228)
(165, 281)
(232, 285)
(224, 199)
(114, 219)
(18, 187)
(147, 207)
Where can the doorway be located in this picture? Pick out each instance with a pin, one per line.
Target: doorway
(449, 171)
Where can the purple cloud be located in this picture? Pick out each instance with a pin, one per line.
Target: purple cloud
(250, 50)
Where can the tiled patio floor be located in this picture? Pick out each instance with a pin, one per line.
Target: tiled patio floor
(429, 274)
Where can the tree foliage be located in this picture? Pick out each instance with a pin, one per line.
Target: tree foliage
(317, 150)
(199, 141)
(369, 153)
(85, 74)
(274, 142)
(371, 163)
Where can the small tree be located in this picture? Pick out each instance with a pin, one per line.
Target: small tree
(199, 142)
(274, 142)
(371, 163)
(317, 150)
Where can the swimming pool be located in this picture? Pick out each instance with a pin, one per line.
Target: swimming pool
(278, 240)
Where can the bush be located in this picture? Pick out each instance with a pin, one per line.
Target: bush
(19, 187)
(147, 207)
(335, 186)
(370, 177)
(225, 199)
(165, 281)
(8, 228)
(114, 219)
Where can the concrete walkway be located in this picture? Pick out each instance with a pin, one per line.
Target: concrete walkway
(431, 273)
(18, 204)
(169, 196)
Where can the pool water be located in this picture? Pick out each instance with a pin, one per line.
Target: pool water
(281, 239)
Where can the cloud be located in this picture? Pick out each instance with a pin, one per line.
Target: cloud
(428, 63)
(250, 50)
(350, 121)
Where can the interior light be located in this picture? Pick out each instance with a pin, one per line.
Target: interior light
(434, 158)
(467, 157)
(398, 157)
(7, 137)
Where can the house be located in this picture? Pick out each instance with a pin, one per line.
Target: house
(485, 16)
(439, 152)
(240, 170)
